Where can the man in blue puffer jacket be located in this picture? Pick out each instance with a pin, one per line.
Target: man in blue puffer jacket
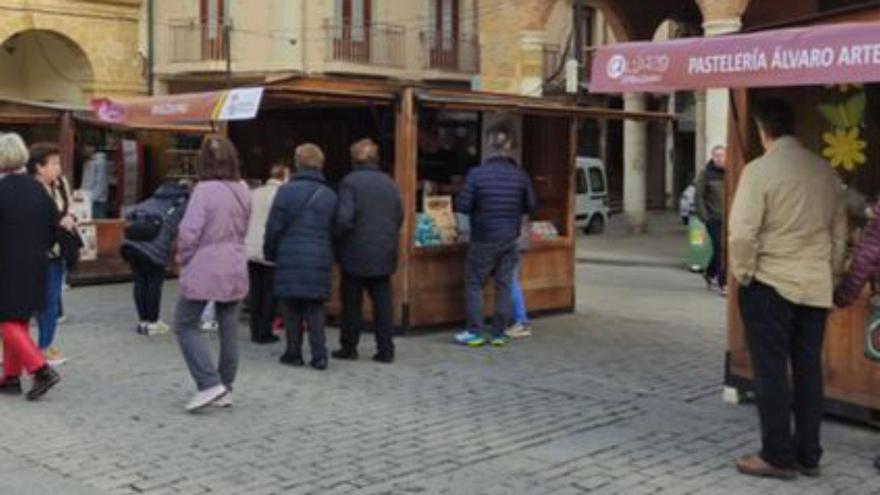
(496, 195)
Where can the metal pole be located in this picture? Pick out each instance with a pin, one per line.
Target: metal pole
(227, 45)
(151, 49)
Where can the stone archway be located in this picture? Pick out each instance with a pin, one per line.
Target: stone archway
(45, 65)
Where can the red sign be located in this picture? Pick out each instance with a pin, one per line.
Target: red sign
(234, 104)
(840, 53)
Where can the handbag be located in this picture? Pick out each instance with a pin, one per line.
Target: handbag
(69, 241)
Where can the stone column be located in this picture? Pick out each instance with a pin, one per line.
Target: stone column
(717, 100)
(720, 17)
(635, 158)
(699, 131)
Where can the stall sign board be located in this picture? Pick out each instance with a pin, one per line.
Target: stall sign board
(233, 104)
(833, 54)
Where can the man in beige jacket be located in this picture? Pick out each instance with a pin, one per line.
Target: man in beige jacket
(787, 244)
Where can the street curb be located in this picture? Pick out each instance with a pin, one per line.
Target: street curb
(631, 263)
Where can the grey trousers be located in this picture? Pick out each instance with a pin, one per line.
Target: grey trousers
(187, 327)
(484, 258)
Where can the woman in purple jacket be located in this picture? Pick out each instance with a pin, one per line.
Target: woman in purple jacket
(213, 260)
(865, 265)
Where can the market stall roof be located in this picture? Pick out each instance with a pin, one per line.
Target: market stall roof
(17, 111)
(474, 100)
(330, 91)
(838, 53)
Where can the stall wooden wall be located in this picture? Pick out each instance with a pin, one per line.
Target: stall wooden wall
(851, 380)
(436, 277)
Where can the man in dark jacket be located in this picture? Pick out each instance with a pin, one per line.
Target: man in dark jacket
(28, 226)
(496, 195)
(709, 197)
(149, 257)
(368, 224)
(299, 241)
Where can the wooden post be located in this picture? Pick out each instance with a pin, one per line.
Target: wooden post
(67, 146)
(405, 173)
(737, 156)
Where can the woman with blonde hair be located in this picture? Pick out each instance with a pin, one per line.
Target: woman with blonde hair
(28, 223)
(213, 260)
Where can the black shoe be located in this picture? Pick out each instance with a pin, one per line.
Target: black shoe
(44, 379)
(384, 358)
(291, 359)
(269, 339)
(809, 472)
(347, 354)
(10, 386)
(319, 364)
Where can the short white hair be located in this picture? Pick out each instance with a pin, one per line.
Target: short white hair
(13, 152)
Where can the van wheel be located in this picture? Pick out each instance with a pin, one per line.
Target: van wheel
(596, 226)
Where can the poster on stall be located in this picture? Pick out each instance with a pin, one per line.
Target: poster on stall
(81, 205)
(132, 167)
(89, 235)
(491, 119)
(439, 210)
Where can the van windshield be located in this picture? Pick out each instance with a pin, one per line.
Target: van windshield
(582, 187)
(597, 180)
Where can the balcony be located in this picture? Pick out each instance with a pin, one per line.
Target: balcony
(195, 41)
(459, 54)
(374, 44)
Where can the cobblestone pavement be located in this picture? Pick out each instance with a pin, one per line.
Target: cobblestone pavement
(623, 397)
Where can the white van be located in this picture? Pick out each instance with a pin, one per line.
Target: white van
(591, 195)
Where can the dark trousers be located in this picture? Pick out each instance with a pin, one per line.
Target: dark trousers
(484, 258)
(716, 268)
(148, 280)
(779, 332)
(261, 300)
(379, 289)
(305, 315)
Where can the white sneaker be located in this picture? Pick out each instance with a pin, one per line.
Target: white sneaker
(210, 326)
(224, 402)
(518, 331)
(205, 398)
(158, 328)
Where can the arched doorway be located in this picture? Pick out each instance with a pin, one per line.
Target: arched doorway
(44, 66)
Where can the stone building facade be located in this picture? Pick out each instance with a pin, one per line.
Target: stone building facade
(69, 50)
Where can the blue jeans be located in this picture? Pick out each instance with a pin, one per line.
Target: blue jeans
(47, 319)
(483, 259)
(519, 302)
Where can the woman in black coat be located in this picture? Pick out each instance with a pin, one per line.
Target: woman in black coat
(28, 223)
(298, 239)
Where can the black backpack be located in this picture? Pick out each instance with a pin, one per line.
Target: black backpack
(141, 226)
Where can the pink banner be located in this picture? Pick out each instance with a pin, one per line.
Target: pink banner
(839, 53)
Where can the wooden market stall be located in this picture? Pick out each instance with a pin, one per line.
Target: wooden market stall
(141, 155)
(830, 73)
(429, 138)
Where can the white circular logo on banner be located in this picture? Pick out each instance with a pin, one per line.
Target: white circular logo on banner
(616, 66)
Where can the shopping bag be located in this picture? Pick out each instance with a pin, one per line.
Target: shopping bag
(872, 330)
(699, 253)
